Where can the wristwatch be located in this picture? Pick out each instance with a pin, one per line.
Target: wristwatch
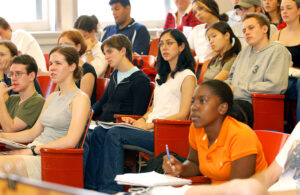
(32, 150)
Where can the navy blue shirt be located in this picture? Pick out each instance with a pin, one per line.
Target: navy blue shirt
(136, 33)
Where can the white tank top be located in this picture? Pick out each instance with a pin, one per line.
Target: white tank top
(167, 97)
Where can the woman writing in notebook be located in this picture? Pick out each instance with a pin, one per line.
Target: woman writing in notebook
(175, 83)
(217, 141)
(61, 122)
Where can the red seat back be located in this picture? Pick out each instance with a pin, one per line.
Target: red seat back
(102, 83)
(153, 49)
(46, 56)
(46, 84)
(272, 142)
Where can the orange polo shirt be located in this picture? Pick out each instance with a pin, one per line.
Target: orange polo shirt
(235, 140)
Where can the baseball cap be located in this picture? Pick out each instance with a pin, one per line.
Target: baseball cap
(247, 3)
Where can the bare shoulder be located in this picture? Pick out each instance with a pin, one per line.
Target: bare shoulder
(81, 97)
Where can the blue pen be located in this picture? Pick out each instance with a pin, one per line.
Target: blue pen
(168, 153)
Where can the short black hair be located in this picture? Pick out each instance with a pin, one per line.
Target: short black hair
(222, 90)
(124, 3)
(28, 61)
(86, 23)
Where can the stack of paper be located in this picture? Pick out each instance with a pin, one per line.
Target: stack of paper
(150, 179)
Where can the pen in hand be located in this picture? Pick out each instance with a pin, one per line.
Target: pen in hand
(169, 158)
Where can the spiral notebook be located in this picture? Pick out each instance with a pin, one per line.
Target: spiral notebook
(150, 179)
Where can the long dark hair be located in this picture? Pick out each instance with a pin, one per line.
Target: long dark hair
(223, 28)
(214, 9)
(185, 59)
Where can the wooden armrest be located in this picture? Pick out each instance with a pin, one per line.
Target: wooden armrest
(61, 151)
(119, 116)
(171, 122)
(267, 96)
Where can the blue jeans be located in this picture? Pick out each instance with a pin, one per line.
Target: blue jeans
(105, 158)
(293, 92)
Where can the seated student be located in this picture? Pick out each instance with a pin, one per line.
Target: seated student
(206, 11)
(234, 14)
(8, 50)
(128, 90)
(289, 37)
(20, 111)
(272, 10)
(88, 26)
(182, 17)
(175, 83)
(261, 67)
(226, 46)
(25, 42)
(282, 174)
(137, 33)
(88, 82)
(61, 122)
(248, 6)
(217, 141)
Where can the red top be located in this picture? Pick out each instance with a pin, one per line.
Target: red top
(188, 19)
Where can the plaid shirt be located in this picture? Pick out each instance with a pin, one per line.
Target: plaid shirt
(188, 19)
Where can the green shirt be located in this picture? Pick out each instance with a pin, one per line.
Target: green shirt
(28, 111)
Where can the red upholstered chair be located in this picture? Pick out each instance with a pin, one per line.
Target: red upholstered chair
(143, 61)
(272, 142)
(268, 111)
(102, 83)
(153, 49)
(46, 85)
(65, 166)
(46, 56)
(147, 64)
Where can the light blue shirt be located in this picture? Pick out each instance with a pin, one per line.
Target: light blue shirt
(123, 75)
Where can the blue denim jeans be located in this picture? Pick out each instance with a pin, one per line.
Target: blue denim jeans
(105, 158)
(293, 92)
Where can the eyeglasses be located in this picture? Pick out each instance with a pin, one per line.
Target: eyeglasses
(16, 74)
(168, 43)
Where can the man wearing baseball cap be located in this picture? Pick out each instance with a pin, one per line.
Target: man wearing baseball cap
(248, 6)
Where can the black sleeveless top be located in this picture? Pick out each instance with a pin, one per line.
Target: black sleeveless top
(295, 52)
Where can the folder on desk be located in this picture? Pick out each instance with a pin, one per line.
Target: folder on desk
(150, 179)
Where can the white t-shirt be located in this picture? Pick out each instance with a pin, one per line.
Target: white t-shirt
(99, 62)
(167, 97)
(198, 42)
(27, 44)
(289, 159)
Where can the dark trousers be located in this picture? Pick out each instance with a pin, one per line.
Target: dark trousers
(243, 111)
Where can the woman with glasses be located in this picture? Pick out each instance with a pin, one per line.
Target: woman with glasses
(207, 12)
(175, 83)
(88, 26)
(88, 82)
(8, 50)
(61, 122)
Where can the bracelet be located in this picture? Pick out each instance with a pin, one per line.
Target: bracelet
(144, 119)
(88, 52)
(32, 150)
